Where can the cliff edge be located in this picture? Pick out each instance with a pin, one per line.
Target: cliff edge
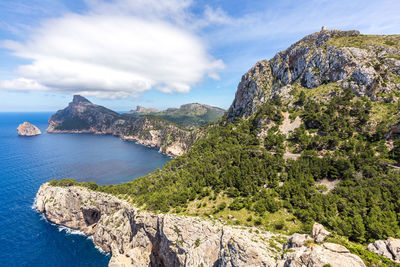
(136, 238)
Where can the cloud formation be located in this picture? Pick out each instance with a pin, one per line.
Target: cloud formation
(113, 51)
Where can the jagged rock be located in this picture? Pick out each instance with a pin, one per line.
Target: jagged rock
(139, 238)
(389, 248)
(298, 240)
(319, 233)
(27, 129)
(336, 248)
(144, 239)
(312, 62)
(316, 255)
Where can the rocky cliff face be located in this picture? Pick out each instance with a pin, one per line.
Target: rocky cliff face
(389, 248)
(27, 129)
(144, 239)
(82, 116)
(369, 65)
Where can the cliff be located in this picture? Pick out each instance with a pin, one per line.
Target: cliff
(82, 116)
(137, 238)
(27, 129)
(367, 64)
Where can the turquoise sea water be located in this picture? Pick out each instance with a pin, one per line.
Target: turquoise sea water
(26, 239)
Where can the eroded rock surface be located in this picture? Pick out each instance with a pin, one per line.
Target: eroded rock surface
(27, 129)
(145, 239)
(314, 61)
(389, 248)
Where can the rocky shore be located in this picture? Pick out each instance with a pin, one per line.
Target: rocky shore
(82, 116)
(138, 238)
(27, 129)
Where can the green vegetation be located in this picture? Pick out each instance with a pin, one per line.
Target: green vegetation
(365, 41)
(73, 123)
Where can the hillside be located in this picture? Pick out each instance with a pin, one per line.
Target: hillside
(310, 136)
(82, 116)
(188, 115)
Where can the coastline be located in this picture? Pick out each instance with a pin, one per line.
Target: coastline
(137, 141)
(141, 238)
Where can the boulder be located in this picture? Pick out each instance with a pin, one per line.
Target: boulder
(319, 233)
(298, 240)
(389, 248)
(333, 254)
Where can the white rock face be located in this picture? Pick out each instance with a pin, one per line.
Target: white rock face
(27, 129)
(389, 248)
(145, 239)
(316, 255)
(311, 62)
(319, 233)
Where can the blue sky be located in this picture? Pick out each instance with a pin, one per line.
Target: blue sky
(123, 53)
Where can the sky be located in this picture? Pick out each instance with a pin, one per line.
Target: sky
(165, 53)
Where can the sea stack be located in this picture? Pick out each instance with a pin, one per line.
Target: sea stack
(27, 129)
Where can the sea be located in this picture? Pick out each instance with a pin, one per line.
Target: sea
(26, 238)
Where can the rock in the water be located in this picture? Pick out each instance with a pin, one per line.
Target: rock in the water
(27, 129)
(319, 233)
(389, 248)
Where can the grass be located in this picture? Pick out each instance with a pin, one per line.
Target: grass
(383, 112)
(365, 41)
(279, 222)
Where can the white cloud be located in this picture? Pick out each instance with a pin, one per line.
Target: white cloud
(22, 84)
(115, 50)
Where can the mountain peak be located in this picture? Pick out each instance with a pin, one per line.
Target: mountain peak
(80, 99)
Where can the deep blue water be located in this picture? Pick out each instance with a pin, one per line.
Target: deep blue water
(26, 162)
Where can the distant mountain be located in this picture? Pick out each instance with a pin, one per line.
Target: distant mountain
(82, 116)
(189, 115)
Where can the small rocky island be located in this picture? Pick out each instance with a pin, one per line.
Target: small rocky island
(28, 129)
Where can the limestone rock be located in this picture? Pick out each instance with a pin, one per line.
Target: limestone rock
(27, 129)
(312, 62)
(319, 233)
(144, 239)
(389, 248)
(298, 240)
(139, 238)
(333, 254)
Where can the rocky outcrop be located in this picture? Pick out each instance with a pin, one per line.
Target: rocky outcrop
(319, 233)
(82, 116)
(315, 60)
(27, 129)
(145, 239)
(389, 248)
(321, 255)
(138, 238)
